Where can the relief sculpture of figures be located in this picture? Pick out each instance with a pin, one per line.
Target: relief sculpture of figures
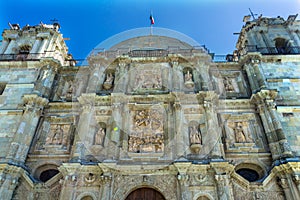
(99, 136)
(195, 135)
(149, 80)
(241, 134)
(56, 137)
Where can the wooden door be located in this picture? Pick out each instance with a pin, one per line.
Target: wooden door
(145, 194)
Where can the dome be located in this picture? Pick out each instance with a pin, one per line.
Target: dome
(145, 38)
(151, 42)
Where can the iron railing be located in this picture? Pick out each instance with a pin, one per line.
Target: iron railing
(273, 50)
(21, 57)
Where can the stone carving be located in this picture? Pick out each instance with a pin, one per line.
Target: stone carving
(240, 131)
(58, 135)
(195, 135)
(147, 132)
(148, 80)
(99, 136)
(146, 144)
(108, 82)
(188, 80)
(70, 90)
(228, 84)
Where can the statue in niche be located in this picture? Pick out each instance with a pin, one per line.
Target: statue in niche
(108, 83)
(57, 137)
(228, 84)
(240, 130)
(195, 135)
(99, 136)
(188, 80)
(70, 90)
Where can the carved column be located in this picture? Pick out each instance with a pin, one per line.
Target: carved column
(9, 178)
(36, 45)
(70, 181)
(106, 189)
(254, 74)
(183, 179)
(278, 143)
(19, 148)
(296, 179)
(116, 129)
(177, 75)
(224, 187)
(209, 103)
(178, 130)
(4, 45)
(10, 46)
(283, 182)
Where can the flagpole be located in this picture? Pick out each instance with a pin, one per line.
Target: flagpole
(151, 23)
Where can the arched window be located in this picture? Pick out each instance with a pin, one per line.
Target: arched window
(87, 198)
(48, 174)
(146, 194)
(281, 45)
(249, 171)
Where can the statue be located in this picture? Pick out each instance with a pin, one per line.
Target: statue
(195, 135)
(57, 136)
(70, 89)
(188, 80)
(241, 135)
(108, 82)
(228, 85)
(99, 136)
(188, 77)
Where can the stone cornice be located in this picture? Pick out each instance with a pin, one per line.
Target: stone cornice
(263, 95)
(34, 100)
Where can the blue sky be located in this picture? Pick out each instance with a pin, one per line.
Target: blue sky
(89, 22)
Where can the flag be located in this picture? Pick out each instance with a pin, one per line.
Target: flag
(151, 19)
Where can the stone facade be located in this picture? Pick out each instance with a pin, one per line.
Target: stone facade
(153, 114)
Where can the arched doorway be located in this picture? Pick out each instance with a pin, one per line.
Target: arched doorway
(145, 194)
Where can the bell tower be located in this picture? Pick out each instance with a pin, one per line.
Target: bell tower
(269, 36)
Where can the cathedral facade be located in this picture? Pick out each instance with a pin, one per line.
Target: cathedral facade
(151, 116)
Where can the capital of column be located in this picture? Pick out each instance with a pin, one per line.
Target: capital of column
(264, 96)
(33, 100)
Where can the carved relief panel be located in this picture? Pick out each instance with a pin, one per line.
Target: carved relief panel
(146, 131)
(148, 77)
(243, 131)
(230, 83)
(54, 134)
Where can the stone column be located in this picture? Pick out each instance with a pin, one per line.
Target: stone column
(215, 143)
(283, 182)
(36, 46)
(223, 187)
(23, 137)
(106, 189)
(10, 46)
(70, 181)
(177, 75)
(4, 45)
(116, 129)
(296, 179)
(42, 46)
(278, 143)
(9, 178)
(178, 130)
(183, 179)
